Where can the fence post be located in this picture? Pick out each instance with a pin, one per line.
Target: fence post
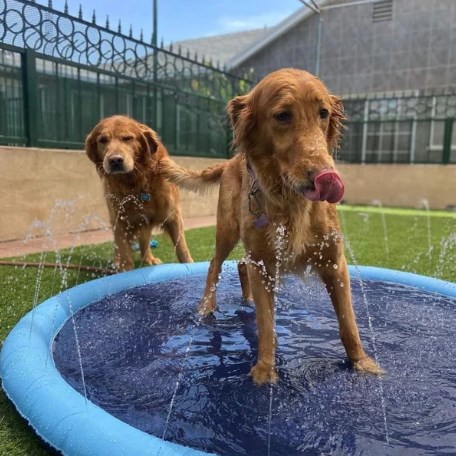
(447, 135)
(30, 93)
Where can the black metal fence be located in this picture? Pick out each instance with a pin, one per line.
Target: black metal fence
(400, 128)
(60, 74)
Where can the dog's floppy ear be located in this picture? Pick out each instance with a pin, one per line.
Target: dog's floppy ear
(151, 137)
(91, 148)
(235, 107)
(239, 114)
(335, 123)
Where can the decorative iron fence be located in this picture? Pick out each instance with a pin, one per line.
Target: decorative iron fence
(60, 74)
(400, 128)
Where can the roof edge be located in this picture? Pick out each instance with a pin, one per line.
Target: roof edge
(281, 28)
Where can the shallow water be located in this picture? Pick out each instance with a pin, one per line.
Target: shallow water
(137, 344)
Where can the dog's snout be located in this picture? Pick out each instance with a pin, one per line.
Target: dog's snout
(116, 160)
(115, 163)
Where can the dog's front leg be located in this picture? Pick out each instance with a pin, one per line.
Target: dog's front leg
(244, 279)
(144, 235)
(337, 282)
(122, 259)
(264, 371)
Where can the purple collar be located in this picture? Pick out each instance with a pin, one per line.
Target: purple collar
(261, 220)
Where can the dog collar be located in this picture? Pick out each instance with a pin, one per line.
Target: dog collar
(145, 197)
(261, 219)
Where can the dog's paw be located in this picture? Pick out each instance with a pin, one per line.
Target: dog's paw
(152, 261)
(368, 366)
(206, 307)
(263, 373)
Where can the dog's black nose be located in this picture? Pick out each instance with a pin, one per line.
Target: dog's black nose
(116, 161)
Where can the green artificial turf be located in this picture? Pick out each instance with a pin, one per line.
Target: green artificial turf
(420, 242)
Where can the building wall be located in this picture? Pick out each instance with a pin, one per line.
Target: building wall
(415, 50)
(49, 191)
(407, 186)
(296, 48)
(45, 192)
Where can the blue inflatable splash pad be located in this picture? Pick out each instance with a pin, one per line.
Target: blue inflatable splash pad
(137, 372)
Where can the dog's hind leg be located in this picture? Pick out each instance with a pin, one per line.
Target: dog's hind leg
(227, 236)
(174, 227)
(244, 279)
(226, 239)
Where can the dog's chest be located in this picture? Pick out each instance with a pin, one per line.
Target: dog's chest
(293, 247)
(137, 209)
(292, 238)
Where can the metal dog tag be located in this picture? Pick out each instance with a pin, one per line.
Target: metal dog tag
(145, 197)
(261, 222)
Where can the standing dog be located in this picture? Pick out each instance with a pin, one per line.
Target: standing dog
(127, 156)
(281, 181)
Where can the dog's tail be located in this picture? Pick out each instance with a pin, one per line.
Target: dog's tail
(191, 179)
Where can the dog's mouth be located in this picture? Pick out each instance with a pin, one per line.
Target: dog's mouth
(325, 186)
(116, 165)
(116, 170)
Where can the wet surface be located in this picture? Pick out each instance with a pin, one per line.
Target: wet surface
(145, 349)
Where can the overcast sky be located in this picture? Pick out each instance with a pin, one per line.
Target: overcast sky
(185, 19)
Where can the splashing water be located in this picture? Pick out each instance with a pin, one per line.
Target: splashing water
(319, 406)
(372, 333)
(378, 203)
(446, 246)
(272, 284)
(280, 245)
(425, 205)
(48, 232)
(179, 378)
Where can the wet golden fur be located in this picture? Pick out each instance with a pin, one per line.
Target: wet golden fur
(126, 155)
(283, 151)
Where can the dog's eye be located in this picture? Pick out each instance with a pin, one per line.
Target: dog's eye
(127, 137)
(324, 113)
(102, 139)
(282, 116)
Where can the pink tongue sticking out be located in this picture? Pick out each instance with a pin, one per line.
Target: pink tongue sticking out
(328, 186)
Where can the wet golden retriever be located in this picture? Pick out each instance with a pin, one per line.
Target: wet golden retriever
(277, 194)
(126, 154)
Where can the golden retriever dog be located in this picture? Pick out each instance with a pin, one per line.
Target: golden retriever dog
(277, 195)
(127, 154)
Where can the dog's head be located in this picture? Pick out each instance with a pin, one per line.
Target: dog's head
(290, 124)
(119, 145)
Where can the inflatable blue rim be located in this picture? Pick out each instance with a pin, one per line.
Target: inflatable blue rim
(62, 416)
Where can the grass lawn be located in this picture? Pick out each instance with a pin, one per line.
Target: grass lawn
(408, 241)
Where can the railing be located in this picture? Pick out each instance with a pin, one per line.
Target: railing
(60, 74)
(400, 128)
